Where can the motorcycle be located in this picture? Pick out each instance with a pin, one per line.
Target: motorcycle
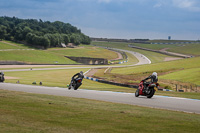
(75, 84)
(2, 77)
(149, 92)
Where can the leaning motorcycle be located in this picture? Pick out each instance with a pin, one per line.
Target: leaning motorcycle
(2, 77)
(149, 92)
(75, 84)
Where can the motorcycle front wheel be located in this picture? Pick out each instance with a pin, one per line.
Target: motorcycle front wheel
(137, 93)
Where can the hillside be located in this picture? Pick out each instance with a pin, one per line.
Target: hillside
(183, 72)
(10, 51)
(182, 47)
(40, 33)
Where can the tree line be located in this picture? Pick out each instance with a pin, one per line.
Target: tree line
(40, 33)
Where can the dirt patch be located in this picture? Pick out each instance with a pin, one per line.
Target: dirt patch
(164, 49)
(91, 72)
(8, 77)
(119, 56)
(172, 58)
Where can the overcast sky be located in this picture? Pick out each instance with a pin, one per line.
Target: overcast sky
(128, 19)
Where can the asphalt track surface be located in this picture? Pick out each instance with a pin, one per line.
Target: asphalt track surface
(161, 102)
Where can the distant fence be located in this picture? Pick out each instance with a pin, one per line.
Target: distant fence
(186, 88)
(174, 42)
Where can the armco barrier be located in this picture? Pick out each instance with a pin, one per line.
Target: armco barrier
(118, 84)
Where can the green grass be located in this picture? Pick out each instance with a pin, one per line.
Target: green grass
(172, 70)
(52, 55)
(6, 46)
(154, 57)
(164, 66)
(169, 41)
(60, 78)
(154, 46)
(34, 57)
(26, 113)
(13, 45)
(185, 70)
(191, 49)
(86, 51)
(187, 75)
(131, 59)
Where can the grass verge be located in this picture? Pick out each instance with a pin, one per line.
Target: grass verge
(60, 78)
(26, 113)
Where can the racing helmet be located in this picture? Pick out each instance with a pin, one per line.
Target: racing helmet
(81, 72)
(155, 74)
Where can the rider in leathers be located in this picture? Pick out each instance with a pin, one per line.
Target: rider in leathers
(78, 76)
(153, 77)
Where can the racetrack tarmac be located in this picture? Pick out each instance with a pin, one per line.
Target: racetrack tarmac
(161, 102)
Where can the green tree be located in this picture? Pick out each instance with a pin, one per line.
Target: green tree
(66, 38)
(75, 38)
(2, 32)
(25, 31)
(41, 33)
(45, 42)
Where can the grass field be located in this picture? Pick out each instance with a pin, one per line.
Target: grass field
(13, 45)
(60, 78)
(86, 51)
(34, 57)
(6, 46)
(52, 55)
(154, 57)
(185, 70)
(179, 71)
(154, 46)
(26, 113)
(169, 41)
(191, 49)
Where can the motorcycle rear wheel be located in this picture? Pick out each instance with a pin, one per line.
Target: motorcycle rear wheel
(2, 79)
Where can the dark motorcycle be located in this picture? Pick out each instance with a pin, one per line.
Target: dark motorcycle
(2, 77)
(75, 84)
(149, 92)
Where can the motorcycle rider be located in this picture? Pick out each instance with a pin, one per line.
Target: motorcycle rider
(154, 79)
(77, 76)
(2, 76)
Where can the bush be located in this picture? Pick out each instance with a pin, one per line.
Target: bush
(168, 87)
